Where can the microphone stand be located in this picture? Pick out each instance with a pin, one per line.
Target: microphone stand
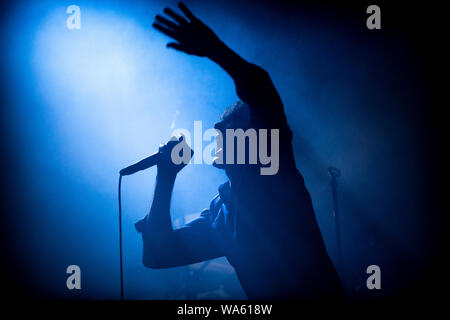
(336, 173)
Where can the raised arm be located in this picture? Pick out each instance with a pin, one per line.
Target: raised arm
(164, 247)
(253, 84)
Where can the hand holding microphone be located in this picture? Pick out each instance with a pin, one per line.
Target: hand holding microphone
(174, 156)
(170, 158)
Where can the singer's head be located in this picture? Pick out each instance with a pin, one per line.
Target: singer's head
(235, 117)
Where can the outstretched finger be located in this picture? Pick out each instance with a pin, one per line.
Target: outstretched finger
(175, 16)
(164, 30)
(177, 47)
(165, 21)
(186, 11)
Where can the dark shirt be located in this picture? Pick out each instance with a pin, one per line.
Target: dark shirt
(263, 224)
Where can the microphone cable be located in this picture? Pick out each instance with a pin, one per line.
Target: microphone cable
(120, 214)
(120, 239)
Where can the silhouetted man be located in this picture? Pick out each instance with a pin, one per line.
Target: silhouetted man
(264, 224)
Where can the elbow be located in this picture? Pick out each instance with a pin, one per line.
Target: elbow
(256, 73)
(155, 256)
(151, 263)
(154, 259)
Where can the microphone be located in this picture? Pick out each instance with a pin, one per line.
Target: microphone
(151, 160)
(141, 165)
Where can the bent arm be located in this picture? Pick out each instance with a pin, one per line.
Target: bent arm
(164, 247)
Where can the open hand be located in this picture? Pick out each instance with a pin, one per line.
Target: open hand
(192, 36)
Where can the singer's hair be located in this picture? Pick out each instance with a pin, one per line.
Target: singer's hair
(236, 115)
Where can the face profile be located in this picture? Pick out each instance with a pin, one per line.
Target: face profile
(247, 136)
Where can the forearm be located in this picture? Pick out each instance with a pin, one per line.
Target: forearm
(253, 84)
(229, 60)
(156, 227)
(158, 220)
